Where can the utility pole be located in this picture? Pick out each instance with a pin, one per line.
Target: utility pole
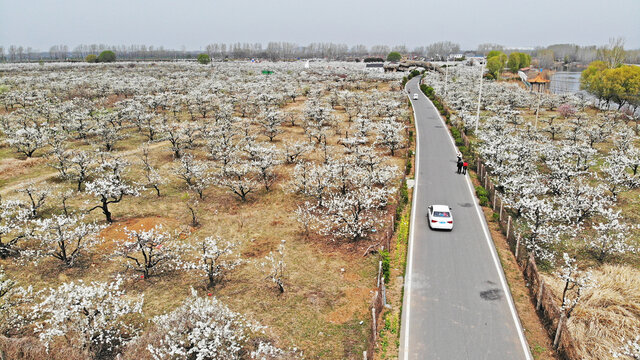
(446, 76)
(479, 96)
(538, 108)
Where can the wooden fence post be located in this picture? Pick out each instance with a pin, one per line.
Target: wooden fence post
(501, 206)
(508, 227)
(494, 201)
(539, 299)
(517, 246)
(375, 328)
(384, 294)
(556, 340)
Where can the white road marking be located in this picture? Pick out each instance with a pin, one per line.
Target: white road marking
(407, 307)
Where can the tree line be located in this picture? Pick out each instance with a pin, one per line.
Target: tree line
(547, 56)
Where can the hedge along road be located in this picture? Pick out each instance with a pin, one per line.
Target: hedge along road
(457, 304)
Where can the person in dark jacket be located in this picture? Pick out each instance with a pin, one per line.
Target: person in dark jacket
(464, 168)
(459, 165)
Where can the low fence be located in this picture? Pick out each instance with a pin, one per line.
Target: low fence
(382, 241)
(379, 300)
(378, 303)
(546, 305)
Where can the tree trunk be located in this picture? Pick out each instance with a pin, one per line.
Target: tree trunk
(105, 210)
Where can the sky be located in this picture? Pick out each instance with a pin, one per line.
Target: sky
(195, 23)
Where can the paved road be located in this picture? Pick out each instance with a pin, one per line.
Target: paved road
(456, 302)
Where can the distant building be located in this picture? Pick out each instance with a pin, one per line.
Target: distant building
(374, 67)
(475, 60)
(539, 83)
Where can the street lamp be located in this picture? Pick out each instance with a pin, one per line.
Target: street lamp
(446, 76)
(479, 95)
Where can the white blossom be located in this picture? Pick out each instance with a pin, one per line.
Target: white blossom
(96, 315)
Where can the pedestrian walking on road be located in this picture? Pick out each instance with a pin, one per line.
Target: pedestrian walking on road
(459, 156)
(459, 165)
(464, 168)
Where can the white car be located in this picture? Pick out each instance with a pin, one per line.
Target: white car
(440, 217)
(415, 96)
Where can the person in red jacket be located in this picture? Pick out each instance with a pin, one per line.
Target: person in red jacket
(464, 168)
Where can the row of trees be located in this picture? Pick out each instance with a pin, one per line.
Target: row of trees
(101, 320)
(568, 53)
(273, 50)
(497, 60)
(565, 53)
(610, 83)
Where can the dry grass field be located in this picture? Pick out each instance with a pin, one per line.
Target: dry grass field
(328, 282)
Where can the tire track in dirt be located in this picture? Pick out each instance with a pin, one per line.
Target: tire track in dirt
(42, 178)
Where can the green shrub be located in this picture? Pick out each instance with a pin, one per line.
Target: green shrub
(402, 234)
(495, 217)
(483, 195)
(438, 106)
(386, 259)
(394, 56)
(455, 132)
(404, 81)
(404, 194)
(91, 58)
(484, 201)
(107, 56)
(398, 215)
(481, 191)
(204, 59)
(408, 166)
(427, 90)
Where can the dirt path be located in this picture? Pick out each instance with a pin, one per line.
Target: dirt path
(13, 187)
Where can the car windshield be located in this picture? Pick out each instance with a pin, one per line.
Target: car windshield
(441, 214)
